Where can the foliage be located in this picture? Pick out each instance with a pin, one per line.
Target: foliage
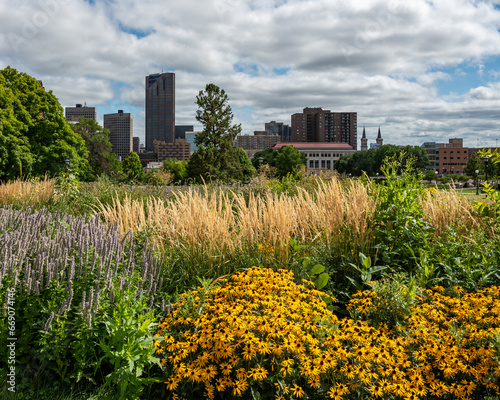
(268, 158)
(430, 175)
(366, 273)
(101, 158)
(64, 272)
(132, 168)
(176, 167)
(258, 335)
(158, 177)
(371, 161)
(401, 229)
(389, 302)
(216, 158)
(35, 139)
(289, 161)
(474, 164)
(128, 343)
(247, 169)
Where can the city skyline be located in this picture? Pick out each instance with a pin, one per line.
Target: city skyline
(422, 71)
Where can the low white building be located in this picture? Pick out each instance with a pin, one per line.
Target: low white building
(320, 155)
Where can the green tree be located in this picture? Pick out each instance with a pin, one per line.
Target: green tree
(371, 161)
(132, 168)
(421, 159)
(176, 167)
(217, 157)
(474, 164)
(101, 158)
(289, 160)
(35, 138)
(268, 157)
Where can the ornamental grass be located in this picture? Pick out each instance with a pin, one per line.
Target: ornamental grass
(225, 223)
(21, 192)
(447, 208)
(260, 335)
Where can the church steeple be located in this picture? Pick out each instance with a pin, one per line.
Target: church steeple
(364, 141)
(380, 141)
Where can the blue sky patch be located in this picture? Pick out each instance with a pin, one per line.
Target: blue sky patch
(466, 76)
(139, 34)
(281, 71)
(247, 68)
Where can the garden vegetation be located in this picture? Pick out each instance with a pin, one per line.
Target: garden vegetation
(307, 287)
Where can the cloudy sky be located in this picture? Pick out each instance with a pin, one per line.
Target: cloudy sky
(422, 70)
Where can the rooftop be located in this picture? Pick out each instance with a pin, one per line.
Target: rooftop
(315, 145)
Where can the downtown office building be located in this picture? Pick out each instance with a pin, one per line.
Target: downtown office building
(121, 128)
(160, 108)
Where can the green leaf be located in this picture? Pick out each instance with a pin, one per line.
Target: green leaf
(321, 281)
(317, 269)
(255, 393)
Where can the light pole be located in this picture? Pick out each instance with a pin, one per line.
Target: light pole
(436, 176)
(67, 164)
(477, 181)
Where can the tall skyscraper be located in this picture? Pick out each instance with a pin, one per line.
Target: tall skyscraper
(73, 114)
(160, 108)
(120, 127)
(318, 125)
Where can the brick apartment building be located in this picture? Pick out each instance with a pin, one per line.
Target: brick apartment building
(318, 125)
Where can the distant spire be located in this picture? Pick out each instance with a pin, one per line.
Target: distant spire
(364, 133)
(379, 135)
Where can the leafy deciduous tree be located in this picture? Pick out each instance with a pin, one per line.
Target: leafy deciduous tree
(132, 168)
(176, 167)
(289, 160)
(35, 138)
(101, 158)
(474, 164)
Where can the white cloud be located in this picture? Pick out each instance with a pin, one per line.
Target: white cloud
(383, 59)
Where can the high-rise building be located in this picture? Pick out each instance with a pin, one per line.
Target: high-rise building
(180, 131)
(318, 125)
(136, 144)
(120, 127)
(73, 114)
(160, 108)
(280, 129)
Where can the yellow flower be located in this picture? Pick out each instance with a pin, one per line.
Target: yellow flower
(297, 391)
